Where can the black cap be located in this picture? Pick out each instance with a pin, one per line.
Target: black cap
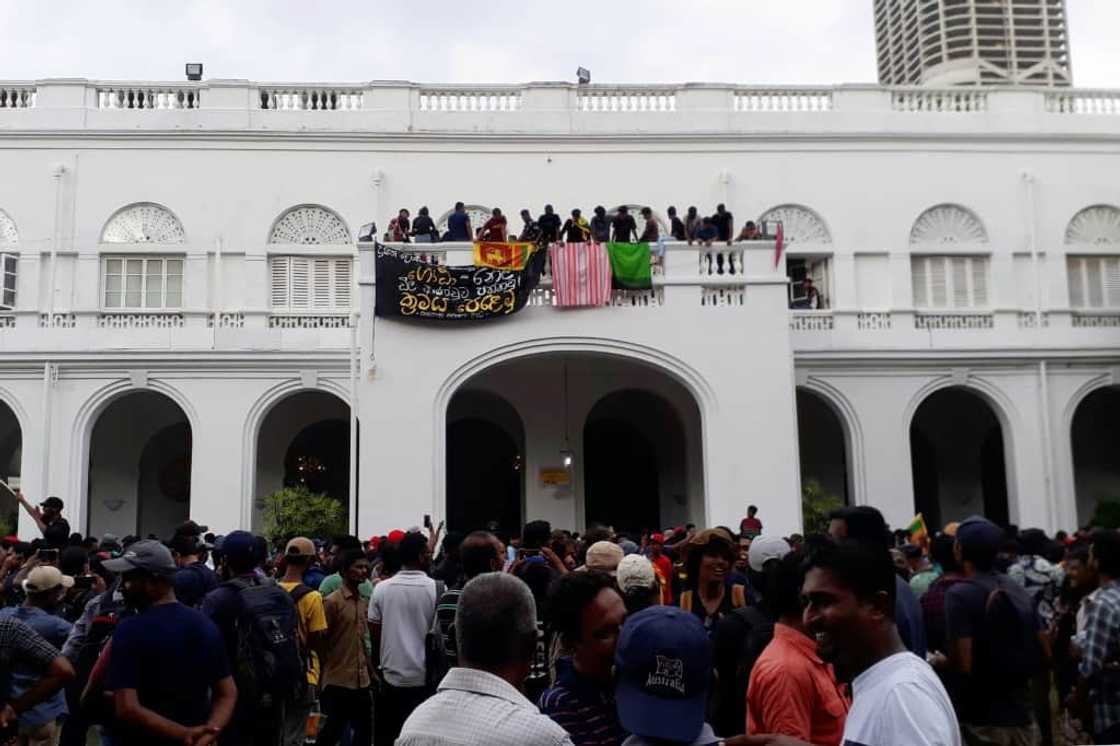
(52, 502)
(190, 528)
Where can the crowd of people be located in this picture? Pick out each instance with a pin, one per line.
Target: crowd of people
(617, 225)
(859, 635)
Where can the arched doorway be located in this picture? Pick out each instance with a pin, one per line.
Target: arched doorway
(1096, 451)
(485, 463)
(823, 445)
(304, 440)
(139, 467)
(957, 458)
(11, 457)
(634, 450)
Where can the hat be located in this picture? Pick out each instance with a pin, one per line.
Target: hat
(300, 546)
(148, 555)
(52, 502)
(657, 538)
(46, 578)
(395, 536)
(190, 528)
(628, 547)
(766, 548)
(664, 663)
(238, 544)
(604, 556)
(711, 536)
(635, 572)
(979, 532)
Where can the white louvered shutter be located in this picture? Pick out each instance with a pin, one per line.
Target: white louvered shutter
(343, 282)
(1111, 276)
(938, 282)
(321, 285)
(300, 283)
(1075, 273)
(919, 280)
(979, 281)
(1094, 282)
(959, 269)
(279, 280)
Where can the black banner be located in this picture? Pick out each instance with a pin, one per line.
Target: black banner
(408, 288)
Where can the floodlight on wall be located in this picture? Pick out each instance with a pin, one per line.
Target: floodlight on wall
(194, 71)
(583, 75)
(367, 232)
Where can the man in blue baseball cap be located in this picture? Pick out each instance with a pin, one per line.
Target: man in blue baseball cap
(664, 664)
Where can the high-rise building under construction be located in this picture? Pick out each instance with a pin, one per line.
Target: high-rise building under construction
(972, 42)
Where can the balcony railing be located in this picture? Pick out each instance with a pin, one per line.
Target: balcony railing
(310, 98)
(503, 98)
(149, 97)
(1083, 102)
(15, 96)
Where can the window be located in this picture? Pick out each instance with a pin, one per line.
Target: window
(815, 294)
(317, 284)
(950, 281)
(8, 287)
(142, 282)
(1094, 281)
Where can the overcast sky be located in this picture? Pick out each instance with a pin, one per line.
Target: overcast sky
(742, 41)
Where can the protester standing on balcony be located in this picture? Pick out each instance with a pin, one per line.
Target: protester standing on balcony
(424, 228)
(400, 226)
(724, 223)
(600, 225)
(625, 229)
(676, 227)
(493, 229)
(550, 225)
(692, 224)
(651, 230)
(575, 228)
(458, 225)
(530, 229)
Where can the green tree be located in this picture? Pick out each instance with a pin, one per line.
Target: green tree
(297, 511)
(1107, 514)
(816, 504)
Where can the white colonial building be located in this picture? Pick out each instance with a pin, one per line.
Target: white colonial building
(187, 315)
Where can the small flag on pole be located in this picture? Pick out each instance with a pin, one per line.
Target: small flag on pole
(917, 528)
(779, 244)
(496, 255)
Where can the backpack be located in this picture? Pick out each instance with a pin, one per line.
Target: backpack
(1009, 649)
(298, 592)
(267, 667)
(739, 641)
(436, 664)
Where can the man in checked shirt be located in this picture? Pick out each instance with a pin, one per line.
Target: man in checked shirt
(1100, 662)
(22, 645)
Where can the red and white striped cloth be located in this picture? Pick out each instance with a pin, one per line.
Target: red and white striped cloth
(581, 274)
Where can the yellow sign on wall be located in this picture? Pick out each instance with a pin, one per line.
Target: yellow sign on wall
(555, 476)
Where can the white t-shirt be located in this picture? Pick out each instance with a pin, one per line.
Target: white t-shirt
(404, 606)
(900, 700)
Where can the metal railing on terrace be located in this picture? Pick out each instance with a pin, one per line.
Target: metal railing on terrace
(392, 105)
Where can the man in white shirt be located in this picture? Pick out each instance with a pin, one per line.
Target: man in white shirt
(401, 611)
(483, 702)
(897, 698)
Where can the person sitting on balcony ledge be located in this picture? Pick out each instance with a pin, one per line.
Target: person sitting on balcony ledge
(550, 225)
(493, 229)
(424, 228)
(625, 229)
(458, 224)
(651, 231)
(692, 224)
(676, 227)
(530, 230)
(706, 233)
(575, 228)
(750, 232)
(724, 222)
(600, 225)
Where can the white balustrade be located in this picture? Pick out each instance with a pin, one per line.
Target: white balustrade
(1096, 320)
(1031, 320)
(782, 99)
(7, 322)
(811, 321)
(57, 321)
(470, 99)
(722, 296)
(719, 260)
(289, 321)
(140, 321)
(228, 320)
(874, 321)
(934, 321)
(954, 100)
(148, 98)
(633, 99)
(315, 98)
(1083, 102)
(17, 96)
(637, 298)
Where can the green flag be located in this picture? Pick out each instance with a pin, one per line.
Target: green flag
(630, 266)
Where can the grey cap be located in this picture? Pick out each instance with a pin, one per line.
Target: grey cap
(148, 555)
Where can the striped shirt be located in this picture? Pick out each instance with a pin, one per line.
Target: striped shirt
(584, 709)
(446, 607)
(1101, 660)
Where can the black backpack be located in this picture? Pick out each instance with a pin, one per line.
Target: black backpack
(1009, 649)
(267, 665)
(740, 639)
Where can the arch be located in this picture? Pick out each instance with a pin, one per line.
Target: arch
(8, 232)
(676, 369)
(254, 419)
(11, 461)
(143, 222)
(1097, 225)
(994, 474)
(853, 433)
(1090, 422)
(800, 224)
(948, 224)
(486, 478)
(138, 468)
(478, 214)
(309, 224)
(819, 423)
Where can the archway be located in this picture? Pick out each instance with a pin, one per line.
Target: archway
(139, 468)
(485, 463)
(11, 457)
(1096, 452)
(603, 438)
(304, 440)
(823, 445)
(957, 458)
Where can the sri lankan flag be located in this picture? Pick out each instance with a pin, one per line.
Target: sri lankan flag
(918, 533)
(512, 256)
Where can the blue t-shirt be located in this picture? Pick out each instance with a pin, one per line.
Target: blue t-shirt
(908, 617)
(172, 656)
(54, 630)
(457, 227)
